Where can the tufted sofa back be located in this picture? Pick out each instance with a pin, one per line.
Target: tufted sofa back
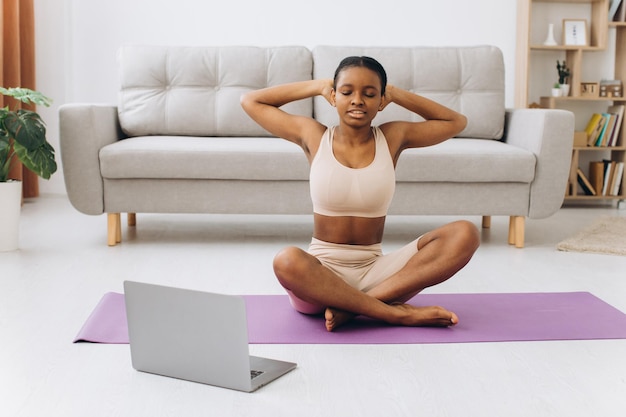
(469, 80)
(195, 91)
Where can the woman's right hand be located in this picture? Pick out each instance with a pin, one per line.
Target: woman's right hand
(327, 88)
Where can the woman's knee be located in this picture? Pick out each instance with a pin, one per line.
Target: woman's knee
(469, 233)
(288, 263)
(464, 235)
(466, 238)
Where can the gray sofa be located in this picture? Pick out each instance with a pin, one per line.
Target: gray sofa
(178, 140)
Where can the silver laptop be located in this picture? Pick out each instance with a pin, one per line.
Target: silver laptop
(195, 336)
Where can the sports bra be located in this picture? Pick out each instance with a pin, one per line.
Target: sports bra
(337, 190)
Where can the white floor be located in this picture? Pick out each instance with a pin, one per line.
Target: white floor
(49, 287)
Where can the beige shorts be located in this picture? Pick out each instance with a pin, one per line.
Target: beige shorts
(362, 267)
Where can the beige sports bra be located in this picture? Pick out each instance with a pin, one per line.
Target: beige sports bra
(337, 190)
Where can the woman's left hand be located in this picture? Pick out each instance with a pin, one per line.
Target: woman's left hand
(387, 98)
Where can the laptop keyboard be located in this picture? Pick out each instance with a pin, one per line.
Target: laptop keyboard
(254, 374)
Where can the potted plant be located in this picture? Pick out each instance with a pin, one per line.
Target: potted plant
(22, 137)
(564, 73)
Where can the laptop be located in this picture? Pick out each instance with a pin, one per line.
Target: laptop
(196, 336)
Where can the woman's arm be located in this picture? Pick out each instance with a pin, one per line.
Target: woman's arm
(440, 122)
(263, 107)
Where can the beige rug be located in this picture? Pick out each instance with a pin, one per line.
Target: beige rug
(605, 235)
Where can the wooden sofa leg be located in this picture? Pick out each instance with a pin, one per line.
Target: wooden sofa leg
(114, 228)
(516, 231)
(132, 219)
(486, 222)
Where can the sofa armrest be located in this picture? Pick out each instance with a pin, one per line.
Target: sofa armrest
(83, 130)
(549, 134)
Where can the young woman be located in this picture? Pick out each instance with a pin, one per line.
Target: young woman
(344, 273)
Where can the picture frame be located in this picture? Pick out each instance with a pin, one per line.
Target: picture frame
(575, 32)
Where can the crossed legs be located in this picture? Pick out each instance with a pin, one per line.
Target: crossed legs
(441, 254)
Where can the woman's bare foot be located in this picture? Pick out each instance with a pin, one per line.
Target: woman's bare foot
(432, 316)
(406, 315)
(335, 318)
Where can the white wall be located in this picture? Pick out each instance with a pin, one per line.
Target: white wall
(77, 40)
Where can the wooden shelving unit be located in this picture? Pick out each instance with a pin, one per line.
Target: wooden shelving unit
(599, 32)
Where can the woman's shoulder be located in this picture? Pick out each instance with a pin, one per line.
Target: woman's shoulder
(392, 134)
(388, 131)
(393, 130)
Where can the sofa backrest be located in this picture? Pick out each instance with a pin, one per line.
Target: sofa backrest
(469, 80)
(195, 91)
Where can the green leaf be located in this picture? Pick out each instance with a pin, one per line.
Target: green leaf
(23, 135)
(26, 128)
(4, 142)
(5, 162)
(26, 95)
(39, 160)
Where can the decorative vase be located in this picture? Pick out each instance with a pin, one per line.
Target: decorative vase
(550, 41)
(564, 90)
(10, 205)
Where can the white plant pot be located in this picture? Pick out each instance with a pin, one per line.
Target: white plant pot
(10, 205)
(556, 92)
(565, 90)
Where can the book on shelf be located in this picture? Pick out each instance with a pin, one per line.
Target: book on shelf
(605, 177)
(593, 128)
(608, 176)
(617, 180)
(584, 183)
(603, 129)
(606, 123)
(596, 174)
(610, 128)
(618, 111)
(614, 9)
(613, 181)
(613, 177)
(617, 11)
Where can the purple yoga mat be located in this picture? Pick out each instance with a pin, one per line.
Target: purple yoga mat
(482, 318)
(107, 322)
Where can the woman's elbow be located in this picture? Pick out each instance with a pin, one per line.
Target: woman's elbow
(247, 102)
(244, 100)
(460, 123)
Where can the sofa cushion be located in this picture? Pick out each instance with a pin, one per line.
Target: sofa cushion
(469, 80)
(456, 160)
(196, 90)
(187, 157)
(467, 160)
